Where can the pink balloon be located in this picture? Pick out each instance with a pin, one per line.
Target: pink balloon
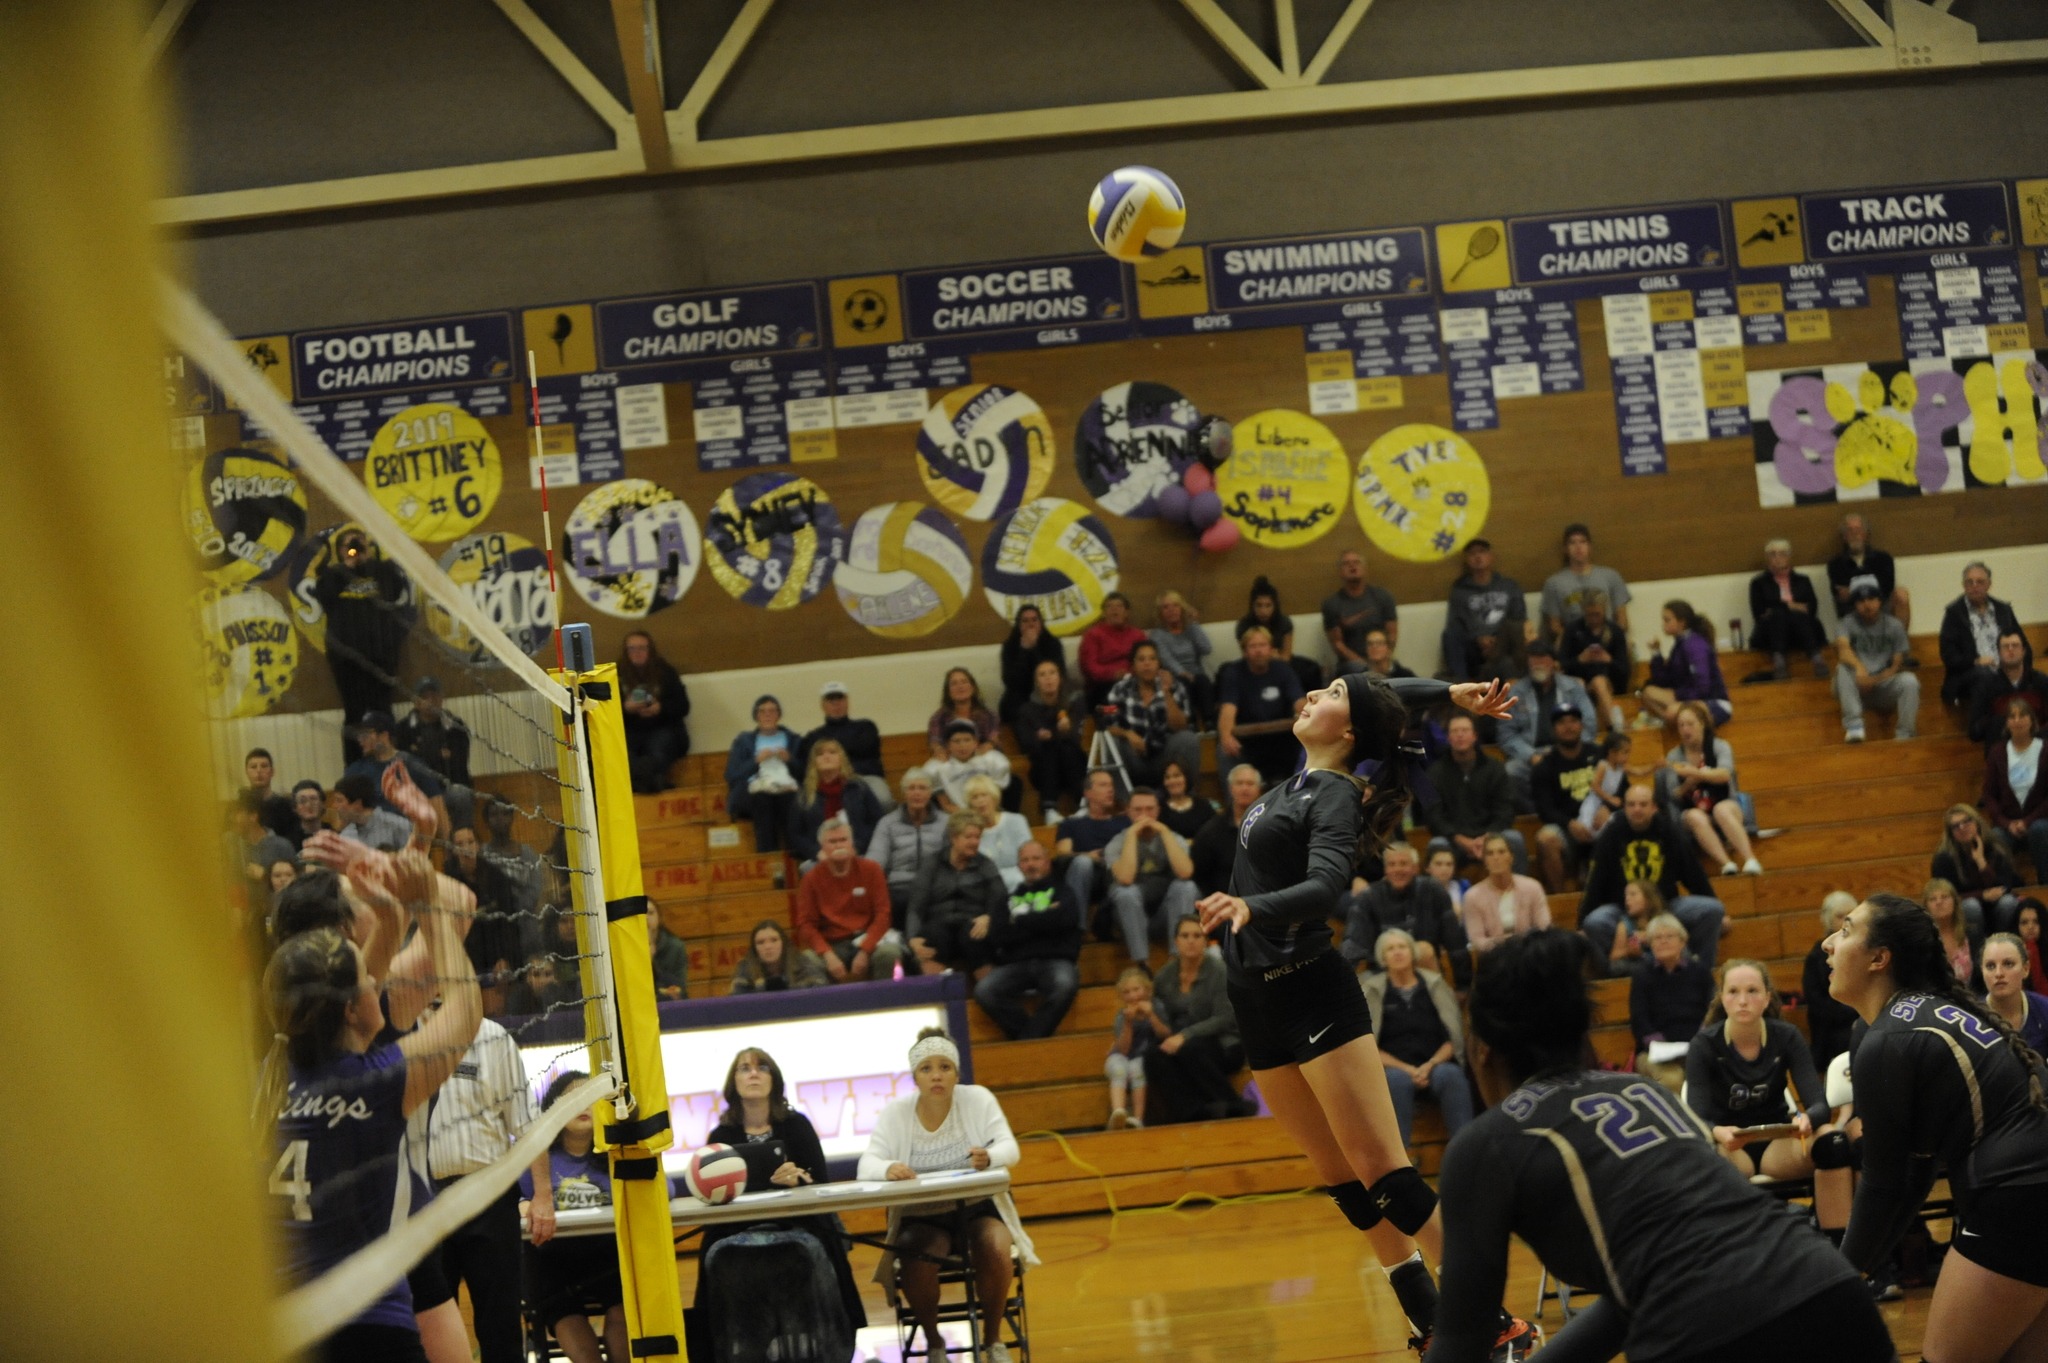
(1221, 537)
(1204, 509)
(1198, 480)
(1171, 502)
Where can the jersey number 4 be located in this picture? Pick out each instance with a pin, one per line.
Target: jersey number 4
(288, 1179)
(1635, 1119)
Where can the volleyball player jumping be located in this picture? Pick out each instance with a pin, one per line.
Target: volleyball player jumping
(1306, 1029)
(1944, 1085)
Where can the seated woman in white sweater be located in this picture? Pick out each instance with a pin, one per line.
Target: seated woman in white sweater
(1003, 831)
(948, 1125)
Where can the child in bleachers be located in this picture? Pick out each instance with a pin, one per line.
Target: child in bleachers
(1135, 1036)
(1443, 868)
(1610, 780)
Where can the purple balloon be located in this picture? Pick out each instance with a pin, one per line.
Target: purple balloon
(1172, 503)
(1204, 509)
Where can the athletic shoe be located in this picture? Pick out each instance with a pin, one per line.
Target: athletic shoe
(1135, 1124)
(1119, 1119)
(1728, 868)
(1822, 668)
(1854, 735)
(1615, 718)
(1517, 1340)
(1883, 1287)
(996, 1352)
(1903, 734)
(1420, 1343)
(1752, 867)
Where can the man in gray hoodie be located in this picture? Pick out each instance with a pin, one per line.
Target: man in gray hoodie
(1484, 605)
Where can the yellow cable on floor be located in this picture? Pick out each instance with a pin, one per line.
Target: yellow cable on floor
(1213, 1200)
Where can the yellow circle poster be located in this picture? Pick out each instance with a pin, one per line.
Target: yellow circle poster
(436, 470)
(250, 651)
(1285, 481)
(1421, 492)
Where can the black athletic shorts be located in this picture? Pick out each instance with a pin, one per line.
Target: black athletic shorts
(1841, 1325)
(370, 1344)
(429, 1284)
(2002, 1232)
(973, 1211)
(574, 1272)
(1291, 1014)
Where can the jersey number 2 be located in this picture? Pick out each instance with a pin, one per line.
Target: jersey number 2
(1637, 1118)
(288, 1179)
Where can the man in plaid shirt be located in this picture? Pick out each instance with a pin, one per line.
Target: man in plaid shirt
(1151, 723)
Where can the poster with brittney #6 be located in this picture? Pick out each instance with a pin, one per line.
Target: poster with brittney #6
(1286, 480)
(774, 540)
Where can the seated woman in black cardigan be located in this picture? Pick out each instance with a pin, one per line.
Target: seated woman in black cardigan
(757, 1111)
(1787, 615)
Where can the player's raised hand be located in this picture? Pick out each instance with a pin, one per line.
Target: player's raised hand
(1484, 698)
(409, 800)
(339, 854)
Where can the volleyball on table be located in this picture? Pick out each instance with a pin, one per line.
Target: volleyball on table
(715, 1174)
(1136, 212)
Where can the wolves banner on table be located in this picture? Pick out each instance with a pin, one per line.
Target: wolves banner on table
(1851, 432)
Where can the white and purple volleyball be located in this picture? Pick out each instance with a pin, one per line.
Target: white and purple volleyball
(1133, 441)
(1136, 212)
(715, 1174)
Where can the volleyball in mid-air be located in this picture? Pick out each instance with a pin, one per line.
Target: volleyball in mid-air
(1136, 212)
(983, 450)
(715, 1174)
(907, 570)
(1052, 554)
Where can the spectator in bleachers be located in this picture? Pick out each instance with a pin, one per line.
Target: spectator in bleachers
(1859, 559)
(1610, 781)
(373, 735)
(1560, 782)
(1402, 898)
(1379, 656)
(760, 776)
(1214, 849)
(541, 984)
(1503, 903)
(2005, 989)
(960, 702)
(1829, 1021)
(1105, 652)
(572, 1272)
(521, 866)
(1668, 995)
(251, 848)
(1264, 610)
(1137, 1032)
(1470, 796)
(1048, 725)
(957, 905)
(362, 821)
(1183, 645)
(965, 759)
(2032, 915)
(1085, 834)
(773, 963)
(1355, 609)
(2015, 679)
(1189, 1069)
(1152, 725)
(859, 739)
(1484, 605)
(309, 814)
(1539, 698)
(1960, 943)
(1003, 832)
(275, 812)
(1506, 661)
(2015, 795)
(363, 596)
(670, 957)
(1644, 844)
(1180, 808)
(1151, 875)
(1416, 1021)
(1970, 630)
(1871, 674)
(441, 740)
(911, 834)
(831, 788)
(1594, 649)
(1441, 865)
(844, 911)
(1690, 671)
(1972, 858)
(1028, 646)
(1641, 903)
(282, 874)
(1697, 783)
(1037, 950)
(1258, 689)
(1787, 614)
(494, 943)
(1565, 591)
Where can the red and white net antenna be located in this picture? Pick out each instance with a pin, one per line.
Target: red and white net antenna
(547, 524)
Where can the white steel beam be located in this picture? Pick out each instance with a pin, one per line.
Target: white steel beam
(568, 66)
(164, 26)
(1334, 41)
(1290, 41)
(1861, 17)
(689, 115)
(640, 54)
(1237, 43)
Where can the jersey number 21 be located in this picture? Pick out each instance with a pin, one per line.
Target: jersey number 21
(1640, 1116)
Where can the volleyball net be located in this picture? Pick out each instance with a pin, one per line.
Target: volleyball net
(374, 697)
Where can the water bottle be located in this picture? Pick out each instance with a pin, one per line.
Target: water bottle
(897, 973)
(1735, 635)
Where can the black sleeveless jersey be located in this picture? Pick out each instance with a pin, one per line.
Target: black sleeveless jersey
(1617, 1187)
(1936, 1083)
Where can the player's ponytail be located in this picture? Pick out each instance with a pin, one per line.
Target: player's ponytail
(1531, 1001)
(1920, 966)
(1381, 759)
(307, 988)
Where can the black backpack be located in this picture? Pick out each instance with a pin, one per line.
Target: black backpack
(771, 1297)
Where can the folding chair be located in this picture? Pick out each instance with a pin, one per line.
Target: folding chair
(956, 1274)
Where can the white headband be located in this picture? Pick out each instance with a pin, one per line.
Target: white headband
(931, 1046)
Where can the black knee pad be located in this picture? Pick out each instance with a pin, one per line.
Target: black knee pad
(1356, 1204)
(1404, 1200)
(1835, 1151)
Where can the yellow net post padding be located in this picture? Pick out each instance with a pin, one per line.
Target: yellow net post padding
(634, 1125)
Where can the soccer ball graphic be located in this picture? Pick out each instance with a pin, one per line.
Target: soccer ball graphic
(865, 310)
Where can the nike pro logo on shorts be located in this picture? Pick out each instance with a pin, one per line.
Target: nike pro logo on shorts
(1314, 1037)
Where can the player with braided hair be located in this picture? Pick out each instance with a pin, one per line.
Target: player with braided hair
(1616, 1186)
(1306, 1028)
(1942, 1079)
